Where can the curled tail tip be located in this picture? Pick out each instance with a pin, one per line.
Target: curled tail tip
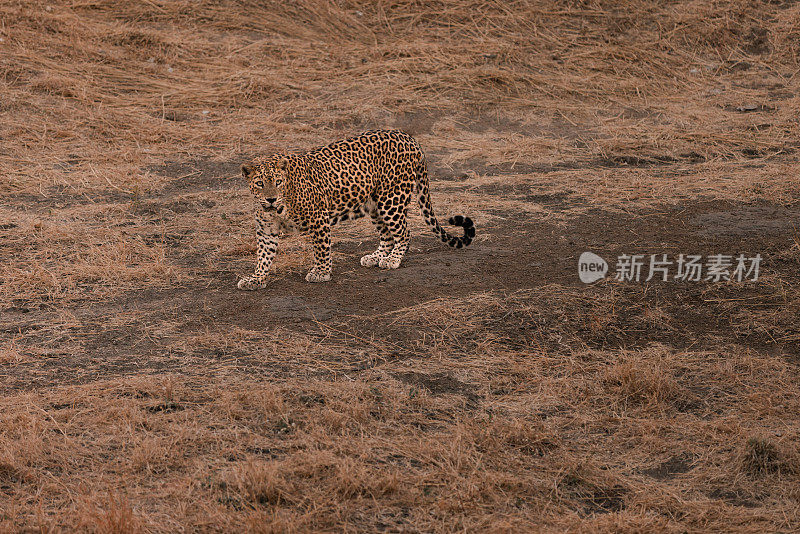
(460, 220)
(469, 231)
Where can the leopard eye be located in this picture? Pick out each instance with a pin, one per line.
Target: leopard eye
(278, 182)
(260, 184)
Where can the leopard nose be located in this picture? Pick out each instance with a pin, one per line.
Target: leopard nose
(271, 200)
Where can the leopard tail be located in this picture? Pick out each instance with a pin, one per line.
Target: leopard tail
(421, 172)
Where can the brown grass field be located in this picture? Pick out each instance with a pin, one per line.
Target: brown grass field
(476, 390)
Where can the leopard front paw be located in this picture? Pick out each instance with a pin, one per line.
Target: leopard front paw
(371, 260)
(251, 283)
(389, 263)
(317, 276)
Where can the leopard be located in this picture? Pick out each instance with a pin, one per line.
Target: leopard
(376, 173)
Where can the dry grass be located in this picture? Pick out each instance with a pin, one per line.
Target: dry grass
(142, 394)
(545, 447)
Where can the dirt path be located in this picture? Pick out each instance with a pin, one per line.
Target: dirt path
(514, 252)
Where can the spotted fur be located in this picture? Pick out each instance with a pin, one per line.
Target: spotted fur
(375, 174)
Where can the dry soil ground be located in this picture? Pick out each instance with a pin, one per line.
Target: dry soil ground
(484, 389)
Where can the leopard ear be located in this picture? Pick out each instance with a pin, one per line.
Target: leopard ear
(283, 163)
(247, 170)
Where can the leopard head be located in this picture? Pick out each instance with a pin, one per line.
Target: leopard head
(266, 178)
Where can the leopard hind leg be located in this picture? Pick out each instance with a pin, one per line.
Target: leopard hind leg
(386, 239)
(393, 212)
